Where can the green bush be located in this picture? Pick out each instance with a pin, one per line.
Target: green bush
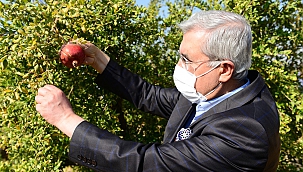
(141, 39)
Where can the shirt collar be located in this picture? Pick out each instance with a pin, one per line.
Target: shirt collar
(204, 106)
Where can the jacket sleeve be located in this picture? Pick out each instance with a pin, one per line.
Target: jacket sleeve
(147, 97)
(102, 151)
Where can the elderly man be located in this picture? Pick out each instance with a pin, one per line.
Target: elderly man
(221, 116)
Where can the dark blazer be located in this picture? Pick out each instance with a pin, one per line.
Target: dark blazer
(239, 134)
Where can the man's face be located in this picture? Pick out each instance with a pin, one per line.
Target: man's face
(190, 49)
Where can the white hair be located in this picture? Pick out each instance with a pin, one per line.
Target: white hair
(227, 37)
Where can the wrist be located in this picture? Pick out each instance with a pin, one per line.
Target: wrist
(101, 62)
(69, 123)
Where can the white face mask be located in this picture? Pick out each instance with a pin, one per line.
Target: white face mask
(185, 83)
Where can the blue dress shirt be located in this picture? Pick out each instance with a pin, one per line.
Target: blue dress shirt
(202, 107)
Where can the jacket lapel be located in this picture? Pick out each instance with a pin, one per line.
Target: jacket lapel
(177, 119)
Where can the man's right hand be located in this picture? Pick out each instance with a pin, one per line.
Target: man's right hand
(56, 109)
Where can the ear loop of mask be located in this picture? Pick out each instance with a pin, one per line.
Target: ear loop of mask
(208, 70)
(207, 73)
(213, 89)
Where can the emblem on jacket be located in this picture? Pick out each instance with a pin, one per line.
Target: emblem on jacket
(183, 134)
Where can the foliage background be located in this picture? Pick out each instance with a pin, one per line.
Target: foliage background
(143, 39)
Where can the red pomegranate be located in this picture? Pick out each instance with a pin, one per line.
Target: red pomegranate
(72, 55)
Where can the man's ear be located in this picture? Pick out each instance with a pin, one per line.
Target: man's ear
(226, 69)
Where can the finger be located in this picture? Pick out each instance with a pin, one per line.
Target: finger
(51, 88)
(86, 45)
(88, 60)
(39, 99)
(46, 90)
(42, 91)
(39, 107)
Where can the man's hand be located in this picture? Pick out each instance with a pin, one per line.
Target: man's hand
(56, 109)
(95, 57)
